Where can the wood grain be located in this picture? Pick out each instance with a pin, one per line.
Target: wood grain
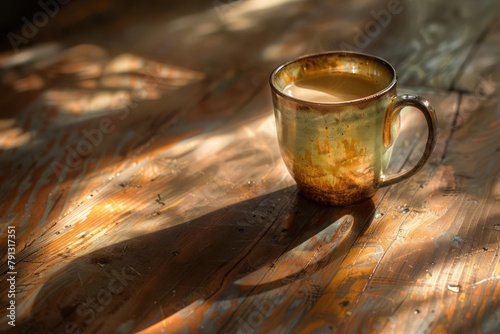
(179, 215)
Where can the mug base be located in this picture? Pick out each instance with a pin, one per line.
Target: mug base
(341, 198)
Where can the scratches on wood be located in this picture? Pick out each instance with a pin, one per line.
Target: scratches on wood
(183, 218)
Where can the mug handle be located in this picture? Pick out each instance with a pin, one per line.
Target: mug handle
(396, 104)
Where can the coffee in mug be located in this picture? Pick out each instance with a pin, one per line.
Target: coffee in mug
(332, 87)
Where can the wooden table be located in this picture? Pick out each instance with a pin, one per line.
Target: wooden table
(142, 179)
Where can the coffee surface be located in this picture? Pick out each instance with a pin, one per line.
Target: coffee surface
(332, 87)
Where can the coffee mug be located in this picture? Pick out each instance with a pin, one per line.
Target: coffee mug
(337, 117)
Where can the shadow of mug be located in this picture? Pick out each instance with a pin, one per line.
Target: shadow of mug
(211, 258)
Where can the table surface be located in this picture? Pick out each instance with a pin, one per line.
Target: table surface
(142, 179)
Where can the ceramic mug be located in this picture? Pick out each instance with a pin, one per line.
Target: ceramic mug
(337, 151)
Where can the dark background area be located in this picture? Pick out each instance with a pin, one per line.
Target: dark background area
(84, 16)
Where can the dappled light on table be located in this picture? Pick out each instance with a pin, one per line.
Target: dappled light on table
(143, 182)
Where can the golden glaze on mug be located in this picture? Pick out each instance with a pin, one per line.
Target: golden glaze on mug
(337, 152)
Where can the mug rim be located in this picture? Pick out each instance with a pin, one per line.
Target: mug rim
(363, 100)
